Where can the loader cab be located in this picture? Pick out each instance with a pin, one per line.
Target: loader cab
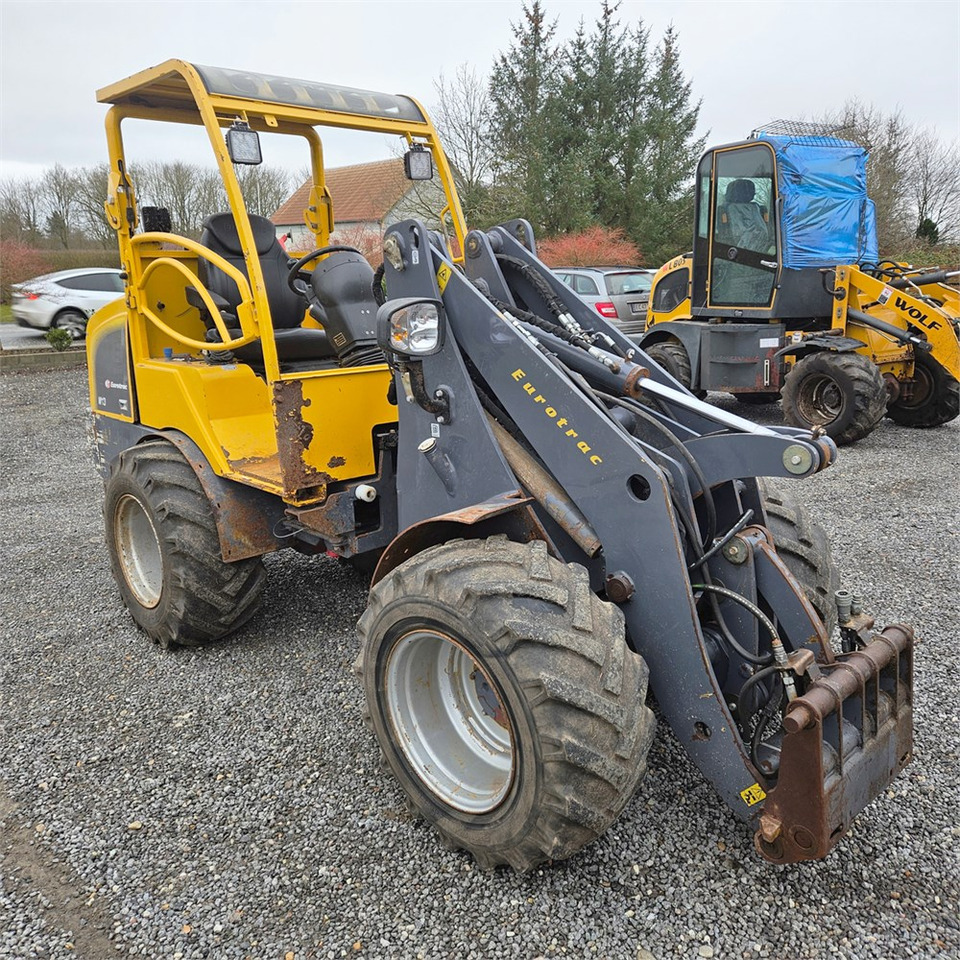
(227, 338)
(771, 212)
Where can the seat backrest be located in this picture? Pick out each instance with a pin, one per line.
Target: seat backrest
(742, 218)
(220, 235)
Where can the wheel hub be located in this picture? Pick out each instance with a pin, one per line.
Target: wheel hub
(821, 400)
(138, 548)
(450, 721)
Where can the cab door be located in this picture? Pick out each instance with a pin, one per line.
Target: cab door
(736, 262)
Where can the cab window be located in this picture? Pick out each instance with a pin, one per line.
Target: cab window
(743, 261)
(671, 291)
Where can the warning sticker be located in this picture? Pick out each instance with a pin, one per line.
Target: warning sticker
(753, 795)
(443, 275)
(885, 295)
(767, 342)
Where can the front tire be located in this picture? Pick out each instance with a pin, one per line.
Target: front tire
(673, 357)
(935, 399)
(841, 392)
(73, 321)
(505, 699)
(802, 545)
(165, 551)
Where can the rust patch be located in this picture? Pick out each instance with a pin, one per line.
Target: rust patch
(335, 462)
(294, 436)
(631, 385)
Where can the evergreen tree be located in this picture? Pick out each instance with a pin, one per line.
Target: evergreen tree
(596, 131)
(659, 195)
(522, 88)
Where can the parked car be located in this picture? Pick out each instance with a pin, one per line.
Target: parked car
(65, 299)
(620, 294)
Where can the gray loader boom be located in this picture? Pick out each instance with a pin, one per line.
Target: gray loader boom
(538, 420)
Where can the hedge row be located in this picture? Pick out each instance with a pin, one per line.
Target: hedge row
(19, 262)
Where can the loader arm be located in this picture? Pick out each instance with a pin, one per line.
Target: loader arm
(659, 483)
(920, 308)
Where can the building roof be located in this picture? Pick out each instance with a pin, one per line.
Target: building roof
(362, 192)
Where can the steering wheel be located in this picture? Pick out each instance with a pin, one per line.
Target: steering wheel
(297, 273)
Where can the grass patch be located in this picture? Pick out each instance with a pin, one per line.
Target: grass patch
(6, 313)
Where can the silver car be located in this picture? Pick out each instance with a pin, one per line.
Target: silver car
(620, 294)
(65, 299)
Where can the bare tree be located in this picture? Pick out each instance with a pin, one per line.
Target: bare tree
(933, 186)
(462, 115)
(91, 192)
(21, 210)
(59, 189)
(264, 188)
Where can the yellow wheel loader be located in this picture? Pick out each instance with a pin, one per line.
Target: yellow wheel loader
(554, 523)
(783, 297)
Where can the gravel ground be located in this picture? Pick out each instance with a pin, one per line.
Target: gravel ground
(225, 802)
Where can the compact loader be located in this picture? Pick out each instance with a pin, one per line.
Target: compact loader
(783, 296)
(552, 518)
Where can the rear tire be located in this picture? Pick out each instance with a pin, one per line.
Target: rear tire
(165, 551)
(505, 699)
(935, 400)
(673, 357)
(803, 546)
(841, 392)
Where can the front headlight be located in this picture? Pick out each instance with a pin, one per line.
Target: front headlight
(411, 327)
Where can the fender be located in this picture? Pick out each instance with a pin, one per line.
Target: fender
(688, 332)
(510, 515)
(817, 344)
(245, 516)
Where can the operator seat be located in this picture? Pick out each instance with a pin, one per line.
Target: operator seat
(287, 308)
(745, 224)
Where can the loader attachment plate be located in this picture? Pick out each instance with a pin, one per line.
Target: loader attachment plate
(844, 740)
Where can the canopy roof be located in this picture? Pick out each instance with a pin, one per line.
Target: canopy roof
(176, 84)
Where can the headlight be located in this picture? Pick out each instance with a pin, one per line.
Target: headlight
(411, 327)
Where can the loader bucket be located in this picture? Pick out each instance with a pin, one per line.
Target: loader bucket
(844, 740)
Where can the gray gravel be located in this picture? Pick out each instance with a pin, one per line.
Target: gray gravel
(225, 802)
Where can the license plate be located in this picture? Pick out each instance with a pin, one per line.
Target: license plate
(636, 308)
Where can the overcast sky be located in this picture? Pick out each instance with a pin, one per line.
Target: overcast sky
(749, 62)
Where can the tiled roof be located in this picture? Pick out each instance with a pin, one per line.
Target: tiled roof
(365, 191)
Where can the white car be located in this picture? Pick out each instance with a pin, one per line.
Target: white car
(65, 299)
(620, 294)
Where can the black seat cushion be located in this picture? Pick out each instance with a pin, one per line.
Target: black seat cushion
(220, 235)
(299, 343)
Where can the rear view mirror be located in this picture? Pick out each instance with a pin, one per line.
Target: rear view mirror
(243, 144)
(418, 163)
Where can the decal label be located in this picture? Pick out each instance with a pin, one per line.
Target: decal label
(443, 276)
(767, 342)
(562, 422)
(753, 795)
(916, 314)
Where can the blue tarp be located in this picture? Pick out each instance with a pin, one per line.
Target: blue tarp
(826, 217)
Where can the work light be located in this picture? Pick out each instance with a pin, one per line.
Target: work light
(411, 326)
(243, 144)
(418, 163)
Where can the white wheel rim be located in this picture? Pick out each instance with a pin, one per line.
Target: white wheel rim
(138, 547)
(449, 721)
